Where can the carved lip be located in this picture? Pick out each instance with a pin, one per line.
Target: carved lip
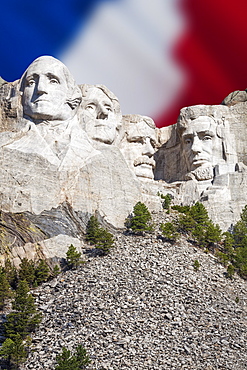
(200, 160)
(144, 161)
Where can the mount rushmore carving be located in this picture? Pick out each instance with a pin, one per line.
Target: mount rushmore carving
(67, 151)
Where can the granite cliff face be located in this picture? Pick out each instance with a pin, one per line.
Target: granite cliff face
(67, 152)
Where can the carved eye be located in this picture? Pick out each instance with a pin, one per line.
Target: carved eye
(188, 141)
(30, 82)
(54, 81)
(108, 108)
(207, 137)
(90, 107)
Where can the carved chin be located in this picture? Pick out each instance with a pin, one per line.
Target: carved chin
(144, 171)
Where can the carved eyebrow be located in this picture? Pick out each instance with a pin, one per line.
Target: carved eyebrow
(51, 75)
(206, 132)
(34, 75)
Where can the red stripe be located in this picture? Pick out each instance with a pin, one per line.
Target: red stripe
(213, 52)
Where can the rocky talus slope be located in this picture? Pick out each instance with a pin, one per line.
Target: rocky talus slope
(145, 307)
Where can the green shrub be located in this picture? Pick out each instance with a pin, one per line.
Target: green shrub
(196, 265)
(230, 271)
(167, 200)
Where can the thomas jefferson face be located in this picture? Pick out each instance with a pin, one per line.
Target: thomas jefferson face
(199, 141)
(45, 90)
(100, 121)
(139, 149)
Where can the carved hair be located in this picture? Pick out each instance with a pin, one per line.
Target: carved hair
(189, 114)
(136, 118)
(116, 106)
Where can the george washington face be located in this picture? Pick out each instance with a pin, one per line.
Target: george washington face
(46, 90)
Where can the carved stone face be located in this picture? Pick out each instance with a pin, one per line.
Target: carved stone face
(139, 149)
(46, 90)
(100, 121)
(199, 142)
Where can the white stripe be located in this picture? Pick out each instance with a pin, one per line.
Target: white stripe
(127, 47)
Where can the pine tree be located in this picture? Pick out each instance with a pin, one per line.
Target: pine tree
(5, 290)
(11, 273)
(213, 233)
(41, 272)
(101, 238)
(68, 361)
(14, 351)
(105, 241)
(27, 271)
(140, 221)
(169, 231)
(24, 318)
(73, 257)
(92, 230)
(199, 213)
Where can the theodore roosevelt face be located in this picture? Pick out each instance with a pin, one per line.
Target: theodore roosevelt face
(139, 148)
(46, 90)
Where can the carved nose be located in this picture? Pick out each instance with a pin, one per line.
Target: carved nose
(197, 145)
(41, 86)
(148, 148)
(103, 113)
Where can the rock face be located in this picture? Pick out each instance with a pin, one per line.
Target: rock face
(67, 152)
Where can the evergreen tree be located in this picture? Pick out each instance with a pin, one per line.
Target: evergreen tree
(56, 271)
(101, 238)
(92, 230)
(169, 231)
(68, 361)
(14, 351)
(11, 273)
(105, 241)
(27, 271)
(213, 234)
(140, 221)
(24, 318)
(198, 233)
(186, 223)
(243, 215)
(5, 290)
(199, 213)
(73, 257)
(167, 200)
(41, 272)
